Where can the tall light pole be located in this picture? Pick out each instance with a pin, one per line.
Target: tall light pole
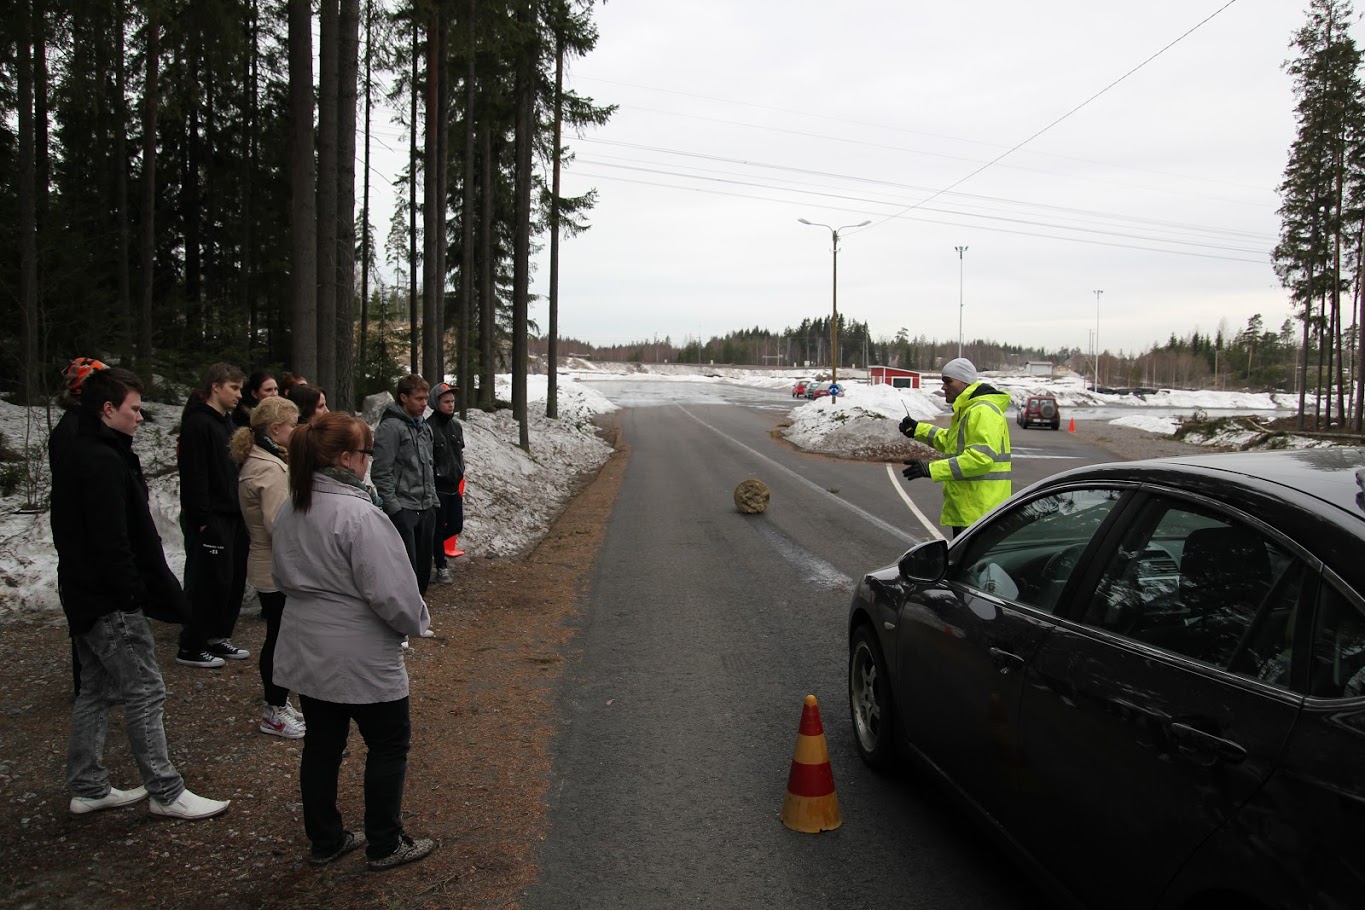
(834, 323)
(960, 251)
(1097, 340)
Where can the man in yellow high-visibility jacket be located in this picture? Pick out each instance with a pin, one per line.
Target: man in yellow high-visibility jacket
(976, 475)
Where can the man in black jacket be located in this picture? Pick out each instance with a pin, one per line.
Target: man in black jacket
(447, 452)
(216, 541)
(59, 442)
(112, 568)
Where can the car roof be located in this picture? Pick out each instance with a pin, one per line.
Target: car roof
(1327, 474)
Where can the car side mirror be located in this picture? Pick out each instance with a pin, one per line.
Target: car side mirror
(926, 563)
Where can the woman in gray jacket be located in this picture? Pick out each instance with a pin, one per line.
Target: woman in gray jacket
(352, 598)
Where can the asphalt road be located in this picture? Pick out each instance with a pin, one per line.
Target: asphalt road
(703, 632)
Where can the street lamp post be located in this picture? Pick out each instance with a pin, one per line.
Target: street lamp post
(834, 323)
(1097, 340)
(960, 251)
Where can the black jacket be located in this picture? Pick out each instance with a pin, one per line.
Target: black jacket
(108, 549)
(62, 436)
(208, 475)
(447, 451)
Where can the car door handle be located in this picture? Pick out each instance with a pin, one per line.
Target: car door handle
(1198, 740)
(1005, 661)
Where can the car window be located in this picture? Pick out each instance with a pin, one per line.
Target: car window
(1027, 554)
(1338, 656)
(1212, 588)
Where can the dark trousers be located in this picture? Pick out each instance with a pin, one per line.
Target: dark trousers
(449, 521)
(272, 608)
(387, 730)
(215, 579)
(417, 530)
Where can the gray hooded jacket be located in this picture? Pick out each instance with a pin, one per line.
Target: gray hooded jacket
(403, 471)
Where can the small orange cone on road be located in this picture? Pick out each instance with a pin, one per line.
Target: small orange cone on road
(811, 805)
(1072, 428)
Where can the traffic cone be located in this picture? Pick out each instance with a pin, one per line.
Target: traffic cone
(1072, 428)
(811, 805)
(452, 545)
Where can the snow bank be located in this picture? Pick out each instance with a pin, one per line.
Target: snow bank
(511, 496)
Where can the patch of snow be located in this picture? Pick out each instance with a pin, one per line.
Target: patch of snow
(511, 498)
(1166, 426)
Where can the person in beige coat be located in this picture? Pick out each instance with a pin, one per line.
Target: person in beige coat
(352, 597)
(262, 487)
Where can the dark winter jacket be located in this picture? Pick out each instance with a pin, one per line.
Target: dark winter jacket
(447, 447)
(108, 549)
(62, 436)
(208, 475)
(402, 468)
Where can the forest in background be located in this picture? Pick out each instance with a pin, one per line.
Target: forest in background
(177, 188)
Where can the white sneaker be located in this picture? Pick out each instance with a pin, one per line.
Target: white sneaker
(404, 644)
(188, 805)
(428, 632)
(295, 713)
(80, 805)
(443, 576)
(279, 722)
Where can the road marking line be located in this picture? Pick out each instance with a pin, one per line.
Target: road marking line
(861, 513)
(900, 488)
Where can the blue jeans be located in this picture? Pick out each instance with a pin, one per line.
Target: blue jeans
(118, 666)
(386, 728)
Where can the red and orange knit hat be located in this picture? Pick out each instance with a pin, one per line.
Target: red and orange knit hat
(79, 370)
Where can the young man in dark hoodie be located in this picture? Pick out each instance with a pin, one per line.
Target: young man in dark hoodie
(216, 540)
(447, 447)
(59, 443)
(113, 572)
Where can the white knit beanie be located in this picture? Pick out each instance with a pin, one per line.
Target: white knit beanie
(961, 369)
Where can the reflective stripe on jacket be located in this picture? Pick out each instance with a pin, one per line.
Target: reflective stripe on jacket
(976, 475)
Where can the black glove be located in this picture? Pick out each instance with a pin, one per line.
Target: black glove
(908, 425)
(915, 469)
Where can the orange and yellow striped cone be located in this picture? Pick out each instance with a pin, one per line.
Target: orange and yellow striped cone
(811, 805)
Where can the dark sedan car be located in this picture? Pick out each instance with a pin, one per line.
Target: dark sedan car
(1148, 677)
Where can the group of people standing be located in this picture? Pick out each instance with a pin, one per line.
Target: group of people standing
(272, 492)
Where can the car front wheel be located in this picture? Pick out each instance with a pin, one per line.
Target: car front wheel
(870, 702)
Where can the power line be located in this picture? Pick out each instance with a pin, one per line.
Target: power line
(1067, 211)
(901, 215)
(1078, 107)
(901, 129)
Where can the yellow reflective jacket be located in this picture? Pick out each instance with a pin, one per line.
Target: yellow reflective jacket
(976, 475)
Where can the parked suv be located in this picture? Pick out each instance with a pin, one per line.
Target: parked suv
(1040, 409)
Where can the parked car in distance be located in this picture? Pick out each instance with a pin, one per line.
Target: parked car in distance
(817, 390)
(1040, 409)
(799, 390)
(1148, 677)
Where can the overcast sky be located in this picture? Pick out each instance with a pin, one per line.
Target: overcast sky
(738, 118)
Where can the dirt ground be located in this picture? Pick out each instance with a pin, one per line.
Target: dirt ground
(483, 719)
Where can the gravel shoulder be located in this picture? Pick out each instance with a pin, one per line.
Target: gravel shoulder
(483, 723)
